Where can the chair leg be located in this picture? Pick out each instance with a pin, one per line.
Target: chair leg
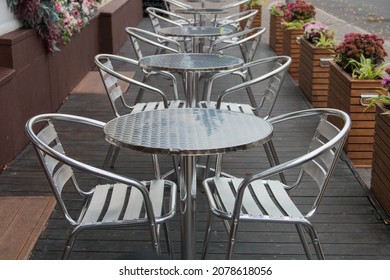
(113, 160)
(111, 153)
(69, 244)
(232, 239)
(168, 240)
(273, 158)
(207, 236)
(156, 167)
(303, 239)
(155, 240)
(316, 242)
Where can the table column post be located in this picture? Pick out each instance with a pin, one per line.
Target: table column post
(187, 206)
(191, 78)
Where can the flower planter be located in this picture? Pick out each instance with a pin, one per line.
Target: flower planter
(291, 48)
(345, 94)
(380, 175)
(257, 20)
(314, 78)
(276, 34)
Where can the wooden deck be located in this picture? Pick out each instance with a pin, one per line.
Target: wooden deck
(348, 224)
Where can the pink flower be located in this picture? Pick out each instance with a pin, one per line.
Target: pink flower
(386, 81)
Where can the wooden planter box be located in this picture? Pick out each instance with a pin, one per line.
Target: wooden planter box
(380, 179)
(344, 94)
(257, 20)
(291, 48)
(314, 78)
(276, 34)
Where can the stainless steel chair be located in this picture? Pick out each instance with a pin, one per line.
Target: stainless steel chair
(140, 39)
(178, 4)
(238, 40)
(234, 4)
(115, 202)
(260, 98)
(257, 198)
(269, 71)
(161, 18)
(243, 18)
(111, 77)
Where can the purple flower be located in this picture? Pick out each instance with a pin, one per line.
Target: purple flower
(386, 81)
(355, 44)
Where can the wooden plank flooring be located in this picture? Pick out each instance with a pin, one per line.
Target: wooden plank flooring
(348, 224)
(22, 219)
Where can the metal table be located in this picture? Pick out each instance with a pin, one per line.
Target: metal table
(196, 33)
(188, 132)
(191, 65)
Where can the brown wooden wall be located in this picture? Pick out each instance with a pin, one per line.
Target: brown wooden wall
(33, 80)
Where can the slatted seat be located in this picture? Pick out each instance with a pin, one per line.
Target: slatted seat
(257, 198)
(115, 202)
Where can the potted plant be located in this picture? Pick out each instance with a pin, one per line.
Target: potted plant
(357, 70)
(275, 26)
(295, 15)
(316, 48)
(55, 21)
(380, 172)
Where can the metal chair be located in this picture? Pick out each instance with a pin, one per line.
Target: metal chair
(115, 202)
(238, 40)
(178, 4)
(261, 92)
(234, 4)
(269, 71)
(111, 77)
(235, 21)
(161, 18)
(257, 198)
(140, 38)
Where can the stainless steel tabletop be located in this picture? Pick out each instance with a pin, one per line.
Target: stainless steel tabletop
(195, 31)
(200, 11)
(195, 62)
(188, 131)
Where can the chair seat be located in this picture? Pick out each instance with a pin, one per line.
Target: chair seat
(121, 204)
(139, 107)
(263, 200)
(235, 107)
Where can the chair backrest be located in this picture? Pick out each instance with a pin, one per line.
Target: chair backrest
(240, 39)
(323, 152)
(234, 4)
(138, 36)
(60, 168)
(262, 90)
(178, 4)
(112, 78)
(161, 18)
(236, 20)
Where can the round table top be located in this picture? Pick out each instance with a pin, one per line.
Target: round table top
(195, 31)
(198, 62)
(201, 11)
(188, 131)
